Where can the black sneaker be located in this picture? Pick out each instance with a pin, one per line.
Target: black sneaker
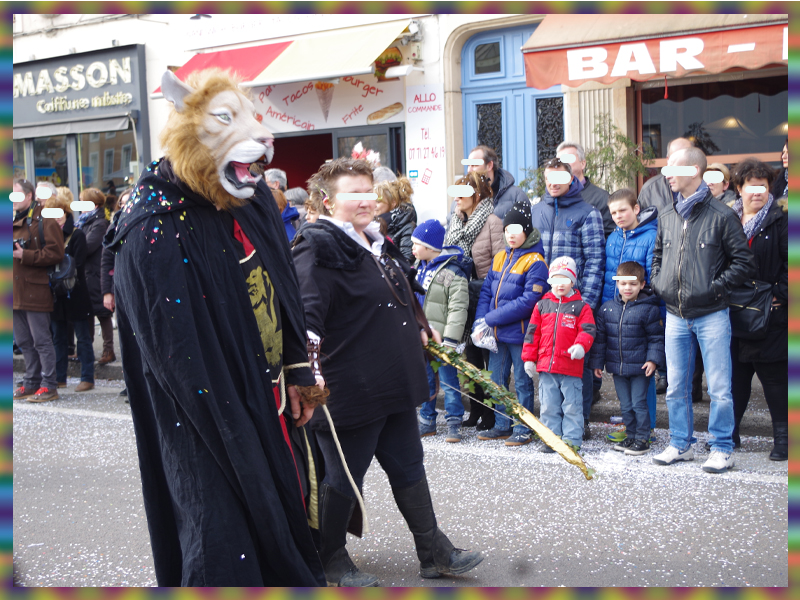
(624, 445)
(586, 433)
(638, 447)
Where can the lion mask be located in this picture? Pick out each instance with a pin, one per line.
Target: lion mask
(213, 138)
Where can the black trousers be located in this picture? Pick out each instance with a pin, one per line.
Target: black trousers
(393, 440)
(774, 379)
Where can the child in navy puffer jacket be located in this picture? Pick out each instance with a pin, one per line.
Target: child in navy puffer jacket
(630, 332)
(512, 288)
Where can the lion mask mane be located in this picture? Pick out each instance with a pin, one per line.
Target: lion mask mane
(212, 137)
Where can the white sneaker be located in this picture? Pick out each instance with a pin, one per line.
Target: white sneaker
(718, 462)
(672, 455)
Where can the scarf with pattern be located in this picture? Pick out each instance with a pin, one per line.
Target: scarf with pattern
(463, 234)
(754, 224)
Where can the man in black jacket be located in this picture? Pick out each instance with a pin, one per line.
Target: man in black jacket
(700, 255)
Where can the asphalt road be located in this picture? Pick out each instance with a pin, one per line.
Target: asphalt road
(79, 519)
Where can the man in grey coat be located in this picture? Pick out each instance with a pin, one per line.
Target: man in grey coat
(590, 193)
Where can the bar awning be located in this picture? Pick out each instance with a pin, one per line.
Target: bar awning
(351, 51)
(573, 49)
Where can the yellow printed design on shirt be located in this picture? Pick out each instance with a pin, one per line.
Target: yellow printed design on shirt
(263, 301)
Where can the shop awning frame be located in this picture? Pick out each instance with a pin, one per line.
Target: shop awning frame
(329, 55)
(119, 123)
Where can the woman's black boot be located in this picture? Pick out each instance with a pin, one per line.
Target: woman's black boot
(437, 555)
(780, 432)
(475, 411)
(335, 510)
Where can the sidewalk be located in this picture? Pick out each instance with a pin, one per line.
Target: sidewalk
(756, 420)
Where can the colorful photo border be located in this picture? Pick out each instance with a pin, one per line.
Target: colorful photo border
(687, 8)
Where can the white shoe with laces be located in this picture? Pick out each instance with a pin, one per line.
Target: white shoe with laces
(718, 462)
(673, 455)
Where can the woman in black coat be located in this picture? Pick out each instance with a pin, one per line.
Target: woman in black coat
(74, 309)
(765, 221)
(94, 227)
(361, 320)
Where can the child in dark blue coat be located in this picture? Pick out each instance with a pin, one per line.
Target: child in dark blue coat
(633, 239)
(513, 286)
(629, 329)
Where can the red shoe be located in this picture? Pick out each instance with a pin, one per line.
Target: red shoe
(44, 395)
(23, 392)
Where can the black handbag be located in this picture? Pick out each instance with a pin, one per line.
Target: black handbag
(64, 275)
(749, 306)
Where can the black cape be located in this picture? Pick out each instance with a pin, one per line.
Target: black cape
(221, 490)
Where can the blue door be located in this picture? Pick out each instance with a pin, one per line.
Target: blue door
(523, 125)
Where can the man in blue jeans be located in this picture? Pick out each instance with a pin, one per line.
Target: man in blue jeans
(700, 255)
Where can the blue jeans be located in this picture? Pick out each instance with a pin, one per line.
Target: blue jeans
(562, 406)
(651, 402)
(500, 363)
(454, 409)
(587, 388)
(632, 393)
(713, 334)
(83, 348)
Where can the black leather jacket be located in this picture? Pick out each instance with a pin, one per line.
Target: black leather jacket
(699, 260)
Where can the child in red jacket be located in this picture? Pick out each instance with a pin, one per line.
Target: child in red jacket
(560, 334)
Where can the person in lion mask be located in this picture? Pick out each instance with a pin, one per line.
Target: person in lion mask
(212, 335)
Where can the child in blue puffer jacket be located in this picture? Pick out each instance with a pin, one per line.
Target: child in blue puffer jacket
(633, 240)
(513, 286)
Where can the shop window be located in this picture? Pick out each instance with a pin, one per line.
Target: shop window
(365, 146)
(549, 127)
(487, 58)
(125, 160)
(96, 158)
(20, 171)
(50, 159)
(108, 162)
(490, 127)
(723, 118)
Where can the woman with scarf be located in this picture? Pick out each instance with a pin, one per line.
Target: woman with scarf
(765, 222)
(365, 344)
(479, 232)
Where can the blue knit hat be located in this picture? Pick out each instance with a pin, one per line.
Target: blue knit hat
(429, 233)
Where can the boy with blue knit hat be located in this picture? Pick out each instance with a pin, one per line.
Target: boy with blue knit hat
(443, 277)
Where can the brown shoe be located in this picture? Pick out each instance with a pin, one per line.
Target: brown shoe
(106, 358)
(44, 395)
(84, 386)
(62, 384)
(23, 392)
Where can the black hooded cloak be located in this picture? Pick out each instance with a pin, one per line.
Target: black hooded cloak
(221, 489)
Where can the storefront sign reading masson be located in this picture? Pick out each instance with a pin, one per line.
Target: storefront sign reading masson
(77, 87)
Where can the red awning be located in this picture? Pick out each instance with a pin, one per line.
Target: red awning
(648, 57)
(248, 63)
(329, 55)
